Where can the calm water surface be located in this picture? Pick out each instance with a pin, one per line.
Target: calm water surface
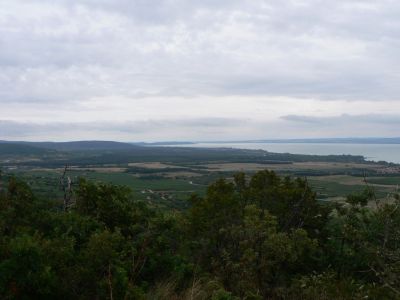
(376, 152)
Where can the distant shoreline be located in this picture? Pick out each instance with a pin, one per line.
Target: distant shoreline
(381, 141)
(389, 152)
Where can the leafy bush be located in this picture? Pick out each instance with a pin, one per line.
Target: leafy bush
(264, 237)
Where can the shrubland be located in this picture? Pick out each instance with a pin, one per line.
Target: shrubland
(258, 237)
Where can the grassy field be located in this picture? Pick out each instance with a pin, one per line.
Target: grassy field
(340, 186)
(168, 176)
(394, 181)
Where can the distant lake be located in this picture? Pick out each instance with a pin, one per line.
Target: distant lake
(375, 152)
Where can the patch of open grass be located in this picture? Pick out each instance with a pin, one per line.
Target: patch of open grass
(385, 180)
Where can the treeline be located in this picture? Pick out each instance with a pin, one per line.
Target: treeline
(18, 154)
(264, 237)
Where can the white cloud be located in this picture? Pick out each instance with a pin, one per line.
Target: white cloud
(136, 60)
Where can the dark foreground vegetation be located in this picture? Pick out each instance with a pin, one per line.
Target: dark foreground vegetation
(264, 237)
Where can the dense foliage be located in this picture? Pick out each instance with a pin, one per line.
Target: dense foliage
(264, 237)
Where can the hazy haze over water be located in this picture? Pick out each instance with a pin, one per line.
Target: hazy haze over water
(375, 152)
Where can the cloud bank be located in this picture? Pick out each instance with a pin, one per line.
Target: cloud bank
(142, 62)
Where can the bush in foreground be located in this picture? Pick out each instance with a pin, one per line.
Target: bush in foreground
(264, 237)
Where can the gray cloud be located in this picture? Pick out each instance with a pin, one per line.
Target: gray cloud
(61, 54)
(300, 49)
(331, 121)
(14, 130)
(291, 126)
(368, 125)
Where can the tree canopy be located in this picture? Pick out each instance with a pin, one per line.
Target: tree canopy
(258, 237)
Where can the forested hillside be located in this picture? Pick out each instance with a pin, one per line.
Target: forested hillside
(83, 153)
(258, 237)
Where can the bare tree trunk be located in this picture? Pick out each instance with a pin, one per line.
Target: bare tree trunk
(110, 282)
(66, 186)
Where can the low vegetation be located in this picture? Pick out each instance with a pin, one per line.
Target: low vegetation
(166, 176)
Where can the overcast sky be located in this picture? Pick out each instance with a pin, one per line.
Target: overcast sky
(146, 70)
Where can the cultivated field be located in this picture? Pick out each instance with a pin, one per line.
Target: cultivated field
(167, 176)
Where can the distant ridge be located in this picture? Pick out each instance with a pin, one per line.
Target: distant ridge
(75, 145)
(111, 145)
(21, 149)
(166, 143)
